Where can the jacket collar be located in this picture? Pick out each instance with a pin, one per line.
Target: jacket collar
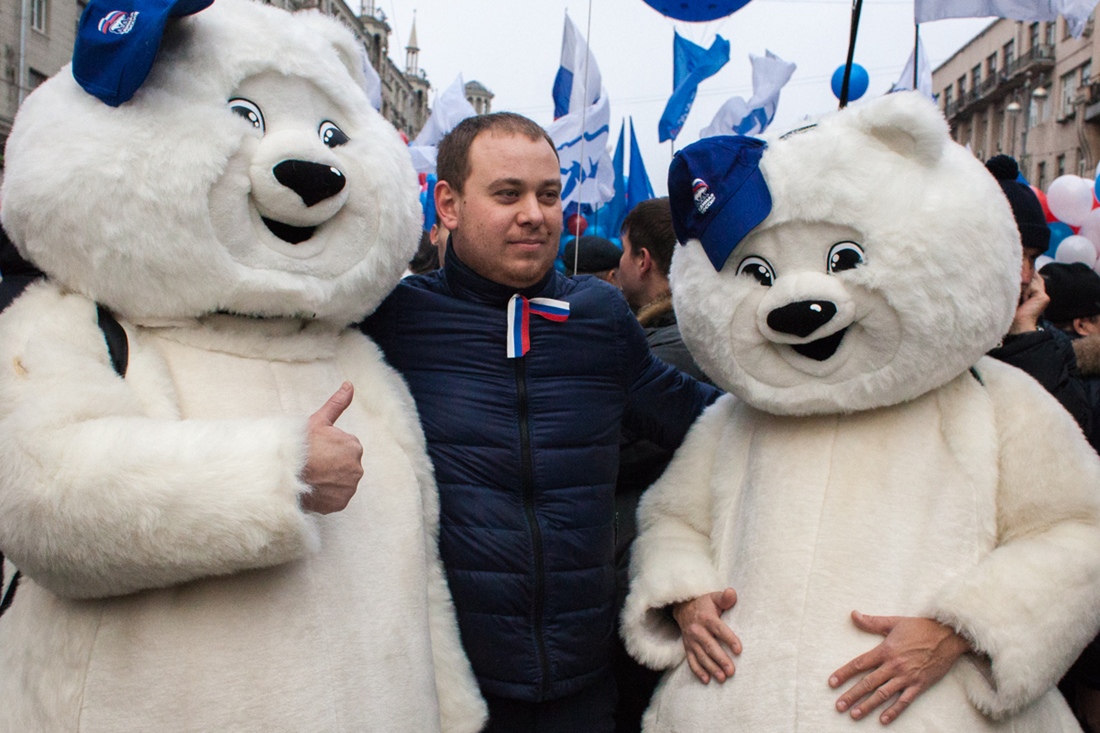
(466, 284)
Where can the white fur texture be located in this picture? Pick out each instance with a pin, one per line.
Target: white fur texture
(153, 208)
(886, 478)
(930, 219)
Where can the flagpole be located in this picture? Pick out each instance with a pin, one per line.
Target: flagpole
(916, 57)
(857, 7)
(584, 121)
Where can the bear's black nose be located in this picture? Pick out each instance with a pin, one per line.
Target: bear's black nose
(801, 318)
(313, 182)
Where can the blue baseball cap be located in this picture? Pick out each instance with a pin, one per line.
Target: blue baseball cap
(717, 193)
(117, 41)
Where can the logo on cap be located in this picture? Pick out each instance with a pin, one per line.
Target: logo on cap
(703, 197)
(118, 22)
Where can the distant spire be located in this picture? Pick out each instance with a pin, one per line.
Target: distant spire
(412, 51)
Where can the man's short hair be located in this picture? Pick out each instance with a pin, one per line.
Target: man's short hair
(453, 157)
(649, 226)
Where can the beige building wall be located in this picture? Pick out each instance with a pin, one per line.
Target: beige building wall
(1027, 90)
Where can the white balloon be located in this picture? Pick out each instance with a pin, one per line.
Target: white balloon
(1090, 228)
(1076, 248)
(1070, 199)
(1042, 261)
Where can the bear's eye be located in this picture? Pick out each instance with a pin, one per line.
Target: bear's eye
(759, 268)
(332, 135)
(845, 256)
(248, 110)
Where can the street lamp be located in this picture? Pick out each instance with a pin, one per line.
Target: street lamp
(1013, 110)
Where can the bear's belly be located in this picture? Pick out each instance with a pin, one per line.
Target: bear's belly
(870, 512)
(335, 641)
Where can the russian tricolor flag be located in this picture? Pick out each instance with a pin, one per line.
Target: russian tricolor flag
(519, 318)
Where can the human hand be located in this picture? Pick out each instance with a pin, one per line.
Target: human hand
(335, 461)
(704, 632)
(915, 655)
(1032, 304)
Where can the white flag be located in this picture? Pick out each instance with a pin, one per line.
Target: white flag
(372, 83)
(738, 117)
(590, 180)
(450, 108)
(1076, 12)
(924, 77)
(576, 61)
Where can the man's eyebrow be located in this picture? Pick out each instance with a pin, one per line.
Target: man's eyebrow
(516, 182)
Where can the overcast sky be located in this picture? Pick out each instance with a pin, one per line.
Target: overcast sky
(513, 47)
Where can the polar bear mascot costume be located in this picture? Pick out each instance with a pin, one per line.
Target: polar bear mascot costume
(844, 282)
(233, 217)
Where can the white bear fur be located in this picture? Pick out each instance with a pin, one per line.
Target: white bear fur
(171, 580)
(891, 482)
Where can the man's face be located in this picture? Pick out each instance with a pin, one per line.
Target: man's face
(506, 223)
(1027, 271)
(630, 278)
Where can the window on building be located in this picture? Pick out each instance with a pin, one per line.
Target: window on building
(1069, 91)
(976, 78)
(38, 15)
(947, 99)
(1083, 164)
(1033, 37)
(991, 66)
(1086, 73)
(1050, 29)
(961, 83)
(1041, 176)
(34, 78)
(1060, 165)
(1008, 51)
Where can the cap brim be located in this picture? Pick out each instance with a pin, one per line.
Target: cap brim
(735, 220)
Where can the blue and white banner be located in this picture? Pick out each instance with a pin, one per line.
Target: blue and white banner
(638, 187)
(571, 93)
(1076, 12)
(738, 117)
(924, 73)
(582, 138)
(691, 64)
(450, 108)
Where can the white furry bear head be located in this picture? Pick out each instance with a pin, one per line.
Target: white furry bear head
(889, 263)
(249, 174)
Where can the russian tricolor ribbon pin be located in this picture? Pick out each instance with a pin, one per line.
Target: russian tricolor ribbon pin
(519, 318)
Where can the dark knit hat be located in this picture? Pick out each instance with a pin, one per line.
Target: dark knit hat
(1074, 291)
(1030, 220)
(596, 255)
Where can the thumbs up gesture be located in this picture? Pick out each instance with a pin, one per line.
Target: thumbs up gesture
(334, 464)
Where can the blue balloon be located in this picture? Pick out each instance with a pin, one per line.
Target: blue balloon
(857, 82)
(1058, 232)
(696, 11)
(1096, 188)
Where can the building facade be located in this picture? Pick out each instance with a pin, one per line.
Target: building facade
(36, 40)
(1026, 90)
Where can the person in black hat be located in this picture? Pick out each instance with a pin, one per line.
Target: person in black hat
(598, 257)
(1037, 349)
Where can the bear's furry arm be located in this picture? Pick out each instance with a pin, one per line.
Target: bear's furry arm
(672, 559)
(98, 498)
(1033, 603)
(461, 707)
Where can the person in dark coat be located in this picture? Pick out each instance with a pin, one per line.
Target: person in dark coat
(1031, 345)
(522, 378)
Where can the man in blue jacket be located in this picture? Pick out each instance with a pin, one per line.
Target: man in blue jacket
(522, 378)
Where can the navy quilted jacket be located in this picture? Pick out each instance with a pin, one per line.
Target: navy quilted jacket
(526, 454)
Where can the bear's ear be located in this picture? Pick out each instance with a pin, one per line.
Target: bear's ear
(351, 54)
(908, 124)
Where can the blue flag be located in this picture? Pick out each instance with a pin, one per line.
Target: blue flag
(638, 188)
(611, 216)
(691, 64)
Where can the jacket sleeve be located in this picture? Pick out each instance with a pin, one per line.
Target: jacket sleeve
(99, 498)
(662, 401)
(1033, 602)
(461, 707)
(673, 559)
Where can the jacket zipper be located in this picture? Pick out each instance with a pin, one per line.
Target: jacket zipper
(527, 481)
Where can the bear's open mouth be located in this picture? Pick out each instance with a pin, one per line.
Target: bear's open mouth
(821, 349)
(288, 233)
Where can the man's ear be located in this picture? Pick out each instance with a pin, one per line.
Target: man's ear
(446, 204)
(645, 261)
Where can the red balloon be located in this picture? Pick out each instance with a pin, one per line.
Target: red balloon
(1043, 202)
(576, 224)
